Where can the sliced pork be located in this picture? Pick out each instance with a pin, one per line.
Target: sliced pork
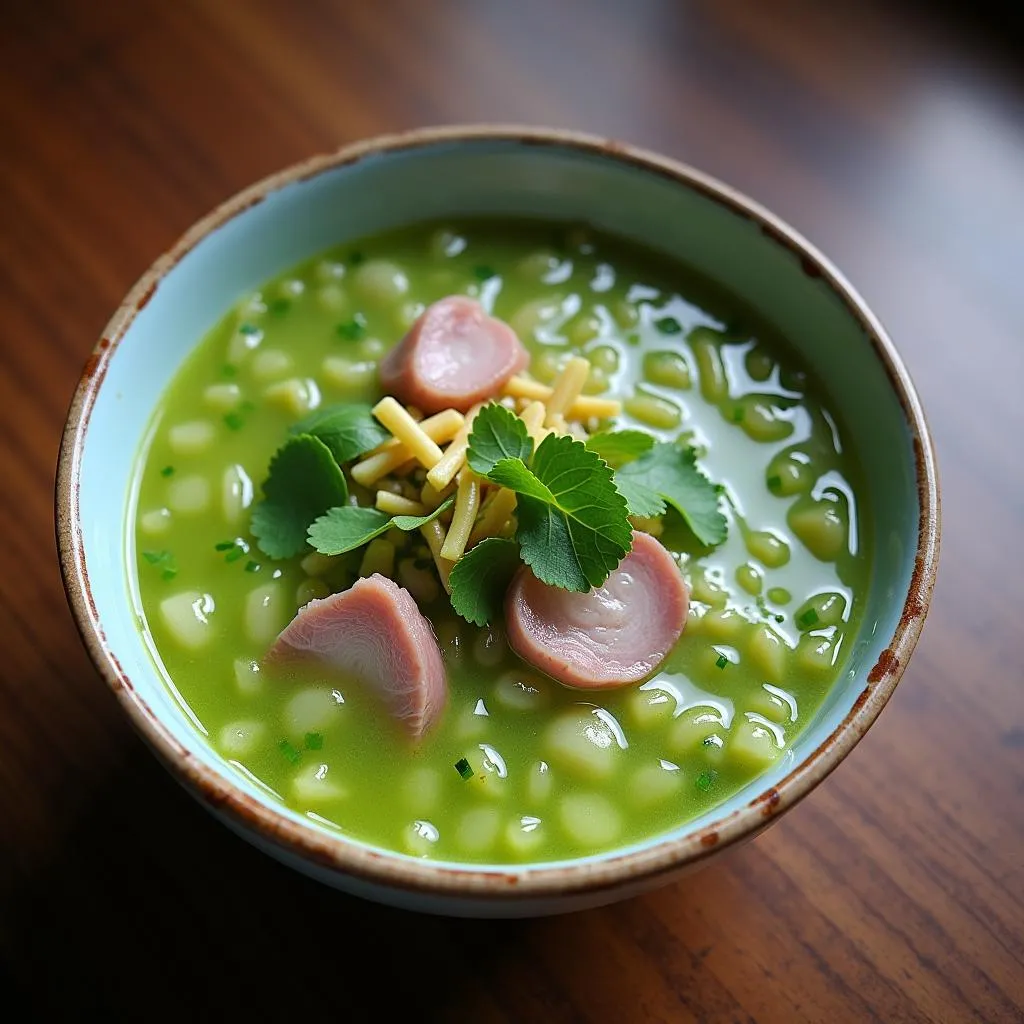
(615, 634)
(374, 632)
(453, 356)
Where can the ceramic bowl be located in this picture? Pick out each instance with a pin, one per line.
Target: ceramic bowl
(390, 181)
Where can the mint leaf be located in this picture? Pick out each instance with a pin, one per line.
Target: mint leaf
(348, 429)
(498, 433)
(618, 447)
(350, 527)
(670, 474)
(573, 527)
(302, 483)
(480, 578)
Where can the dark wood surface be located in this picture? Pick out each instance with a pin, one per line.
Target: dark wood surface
(893, 139)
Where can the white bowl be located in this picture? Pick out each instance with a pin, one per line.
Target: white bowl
(396, 180)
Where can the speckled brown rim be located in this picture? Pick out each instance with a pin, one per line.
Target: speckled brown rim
(617, 870)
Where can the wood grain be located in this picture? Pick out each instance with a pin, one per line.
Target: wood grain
(893, 139)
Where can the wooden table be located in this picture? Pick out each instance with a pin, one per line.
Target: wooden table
(895, 892)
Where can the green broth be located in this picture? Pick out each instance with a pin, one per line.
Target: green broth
(555, 772)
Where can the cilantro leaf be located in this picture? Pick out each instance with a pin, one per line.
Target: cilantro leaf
(618, 447)
(302, 483)
(349, 527)
(498, 433)
(573, 527)
(480, 578)
(670, 474)
(348, 429)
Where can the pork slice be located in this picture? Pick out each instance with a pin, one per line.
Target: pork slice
(453, 356)
(615, 634)
(374, 632)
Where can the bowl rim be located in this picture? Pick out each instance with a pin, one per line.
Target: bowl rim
(610, 871)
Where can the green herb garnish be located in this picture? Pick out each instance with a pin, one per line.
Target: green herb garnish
(156, 557)
(167, 471)
(236, 553)
(774, 483)
(463, 767)
(706, 779)
(280, 306)
(618, 447)
(224, 545)
(249, 330)
(737, 414)
(352, 330)
(348, 429)
(303, 482)
(227, 370)
(669, 474)
(807, 619)
(289, 751)
(314, 741)
(164, 561)
(498, 433)
(480, 578)
(668, 325)
(721, 661)
(347, 527)
(234, 420)
(168, 574)
(252, 566)
(484, 273)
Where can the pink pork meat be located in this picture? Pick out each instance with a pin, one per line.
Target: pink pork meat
(615, 634)
(374, 632)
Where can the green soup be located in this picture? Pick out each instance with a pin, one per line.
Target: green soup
(547, 772)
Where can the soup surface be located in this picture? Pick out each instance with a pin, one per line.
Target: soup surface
(520, 767)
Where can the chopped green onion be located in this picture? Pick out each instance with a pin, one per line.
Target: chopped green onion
(280, 306)
(774, 483)
(168, 574)
(251, 566)
(227, 370)
(224, 545)
(314, 741)
(248, 329)
(167, 471)
(289, 751)
(156, 557)
(463, 767)
(233, 421)
(808, 619)
(352, 330)
(484, 273)
(668, 325)
(236, 553)
(706, 779)
(356, 257)
(737, 414)
(721, 661)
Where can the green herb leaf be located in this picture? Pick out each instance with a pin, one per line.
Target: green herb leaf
(706, 779)
(348, 429)
(618, 447)
(289, 751)
(498, 433)
(314, 741)
(167, 471)
(248, 330)
(573, 526)
(464, 768)
(233, 421)
(224, 545)
(349, 527)
(480, 578)
(352, 330)
(669, 474)
(303, 482)
(721, 661)
(252, 566)
(280, 306)
(668, 325)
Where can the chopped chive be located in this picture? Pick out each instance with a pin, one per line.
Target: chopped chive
(737, 414)
(155, 557)
(248, 329)
(233, 421)
(235, 554)
(289, 751)
(462, 766)
(314, 741)
(808, 619)
(352, 330)
(356, 257)
(706, 779)
(252, 566)
(227, 370)
(484, 273)
(668, 325)
(721, 661)
(774, 483)
(167, 471)
(224, 545)
(280, 306)
(168, 574)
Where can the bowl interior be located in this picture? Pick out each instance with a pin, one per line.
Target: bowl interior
(250, 241)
